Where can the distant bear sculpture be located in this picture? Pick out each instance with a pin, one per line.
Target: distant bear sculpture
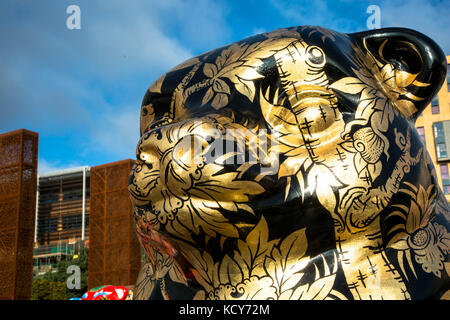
(287, 166)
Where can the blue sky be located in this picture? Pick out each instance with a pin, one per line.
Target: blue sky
(81, 90)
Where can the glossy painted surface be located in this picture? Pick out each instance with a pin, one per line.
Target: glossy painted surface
(326, 191)
(106, 292)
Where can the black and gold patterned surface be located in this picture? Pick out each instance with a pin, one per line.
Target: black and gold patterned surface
(326, 192)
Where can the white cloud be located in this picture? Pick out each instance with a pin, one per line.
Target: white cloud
(46, 166)
(316, 12)
(257, 31)
(58, 81)
(50, 70)
(428, 17)
(117, 133)
(126, 39)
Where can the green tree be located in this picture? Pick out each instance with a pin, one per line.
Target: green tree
(61, 275)
(44, 289)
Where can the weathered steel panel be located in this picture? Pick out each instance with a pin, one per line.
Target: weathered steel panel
(18, 182)
(114, 251)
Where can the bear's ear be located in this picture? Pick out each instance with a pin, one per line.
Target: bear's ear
(419, 65)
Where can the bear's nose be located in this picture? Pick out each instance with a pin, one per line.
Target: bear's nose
(181, 163)
(148, 148)
(188, 152)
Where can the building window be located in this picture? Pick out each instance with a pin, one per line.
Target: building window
(421, 132)
(446, 189)
(441, 150)
(444, 171)
(448, 77)
(445, 178)
(435, 105)
(48, 225)
(438, 128)
(72, 222)
(442, 140)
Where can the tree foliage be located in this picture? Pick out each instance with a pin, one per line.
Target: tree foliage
(44, 289)
(54, 281)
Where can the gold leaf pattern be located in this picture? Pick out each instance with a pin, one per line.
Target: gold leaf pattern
(427, 241)
(261, 269)
(360, 170)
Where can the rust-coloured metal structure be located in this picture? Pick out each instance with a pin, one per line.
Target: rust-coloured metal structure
(18, 181)
(114, 251)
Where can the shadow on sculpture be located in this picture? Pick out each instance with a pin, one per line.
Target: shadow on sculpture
(287, 166)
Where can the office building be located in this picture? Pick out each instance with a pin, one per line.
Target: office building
(62, 216)
(433, 127)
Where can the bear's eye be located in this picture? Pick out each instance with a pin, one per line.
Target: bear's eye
(315, 111)
(316, 118)
(315, 56)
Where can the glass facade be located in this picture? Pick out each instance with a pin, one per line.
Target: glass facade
(421, 132)
(441, 150)
(435, 105)
(448, 77)
(445, 179)
(440, 140)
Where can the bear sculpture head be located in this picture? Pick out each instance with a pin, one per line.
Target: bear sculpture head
(287, 166)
